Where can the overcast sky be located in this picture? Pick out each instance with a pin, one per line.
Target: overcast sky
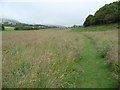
(53, 12)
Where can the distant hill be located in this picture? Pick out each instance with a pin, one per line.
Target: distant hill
(15, 22)
(108, 14)
(8, 22)
(24, 26)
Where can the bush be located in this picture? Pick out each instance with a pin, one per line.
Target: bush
(26, 28)
(2, 28)
(31, 27)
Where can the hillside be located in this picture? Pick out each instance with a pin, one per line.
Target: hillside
(7, 22)
(24, 26)
(106, 15)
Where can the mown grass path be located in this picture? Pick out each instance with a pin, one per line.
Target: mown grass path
(95, 73)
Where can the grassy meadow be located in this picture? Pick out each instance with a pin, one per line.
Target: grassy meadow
(60, 58)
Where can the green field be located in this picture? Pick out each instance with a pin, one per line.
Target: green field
(61, 58)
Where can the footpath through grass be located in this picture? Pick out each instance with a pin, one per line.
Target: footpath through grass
(53, 59)
(95, 73)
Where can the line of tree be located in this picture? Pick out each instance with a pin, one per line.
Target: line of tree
(32, 27)
(108, 14)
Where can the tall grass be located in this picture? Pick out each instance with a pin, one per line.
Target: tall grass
(107, 44)
(97, 28)
(105, 38)
(56, 58)
(41, 59)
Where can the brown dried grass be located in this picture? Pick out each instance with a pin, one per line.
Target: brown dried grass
(30, 59)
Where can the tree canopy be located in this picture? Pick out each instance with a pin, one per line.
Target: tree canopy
(109, 13)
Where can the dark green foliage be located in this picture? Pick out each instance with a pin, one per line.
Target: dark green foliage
(105, 15)
(2, 28)
(76, 26)
(21, 27)
(119, 14)
(89, 21)
(32, 27)
(104, 52)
